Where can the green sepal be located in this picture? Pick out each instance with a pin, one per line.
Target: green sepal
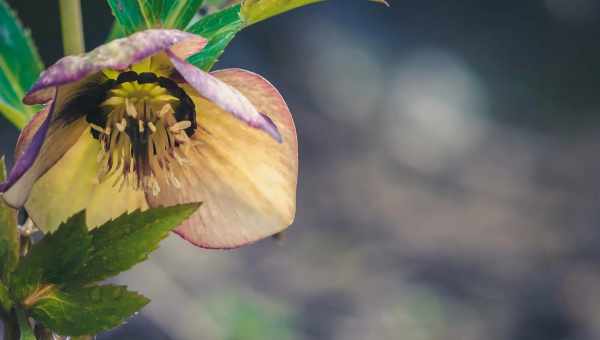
(20, 65)
(77, 311)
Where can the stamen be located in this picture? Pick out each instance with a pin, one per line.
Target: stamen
(180, 126)
(152, 127)
(167, 108)
(122, 125)
(131, 110)
(138, 155)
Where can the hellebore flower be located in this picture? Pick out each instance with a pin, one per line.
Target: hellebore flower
(132, 125)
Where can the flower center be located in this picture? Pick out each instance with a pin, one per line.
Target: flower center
(144, 126)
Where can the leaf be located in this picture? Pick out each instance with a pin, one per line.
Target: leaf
(53, 260)
(219, 28)
(20, 66)
(24, 326)
(137, 15)
(121, 243)
(115, 32)
(179, 13)
(9, 235)
(5, 300)
(254, 11)
(87, 310)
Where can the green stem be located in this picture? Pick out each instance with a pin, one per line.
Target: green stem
(11, 326)
(24, 326)
(72, 26)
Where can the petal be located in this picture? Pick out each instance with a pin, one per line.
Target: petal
(41, 144)
(225, 96)
(246, 179)
(71, 185)
(117, 54)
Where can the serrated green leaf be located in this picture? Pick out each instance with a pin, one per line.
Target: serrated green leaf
(86, 310)
(54, 260)
(9, 235)
(178, 14)
(121, 243)
(210, 25)
(219, 28)
(20, 66)
(254, 11)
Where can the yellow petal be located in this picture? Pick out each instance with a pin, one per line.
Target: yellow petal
(246, 180)
(71, 186)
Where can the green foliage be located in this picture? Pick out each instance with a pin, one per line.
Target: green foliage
(53, 282)
(9, 235)
(136, 15)
(129, 239)
(6, 302)
(24, 326)
(219, 28)
(86, 310)
(20, 66)
(246, 317)
(179, 13)
(254, 11)
(54, 259)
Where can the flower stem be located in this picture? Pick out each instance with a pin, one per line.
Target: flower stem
(72, 26)
(11, 326)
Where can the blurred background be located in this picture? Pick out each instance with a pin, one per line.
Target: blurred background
(448, 184)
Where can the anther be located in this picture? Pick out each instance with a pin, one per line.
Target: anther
(130, 108)
(127, 77)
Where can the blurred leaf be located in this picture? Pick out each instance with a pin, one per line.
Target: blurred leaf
(219, 28)
(53, 260)
(86, 310)
(24, 326)
(20, 66)
(254, 11)
(178, 14)
(9, 235)
(245, 317)
(5, 300)
(121, 243)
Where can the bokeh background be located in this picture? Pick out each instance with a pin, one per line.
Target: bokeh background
(448, 185)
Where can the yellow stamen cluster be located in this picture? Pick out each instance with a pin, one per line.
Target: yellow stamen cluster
(142, 139)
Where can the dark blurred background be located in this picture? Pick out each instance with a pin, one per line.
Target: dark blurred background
(448, 183)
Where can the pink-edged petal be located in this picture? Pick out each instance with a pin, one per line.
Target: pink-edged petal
(42, 142)
(225, 96)
(245, 179)
(28, 147)
(117, 54)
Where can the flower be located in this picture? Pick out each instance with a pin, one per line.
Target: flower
(132, 125)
